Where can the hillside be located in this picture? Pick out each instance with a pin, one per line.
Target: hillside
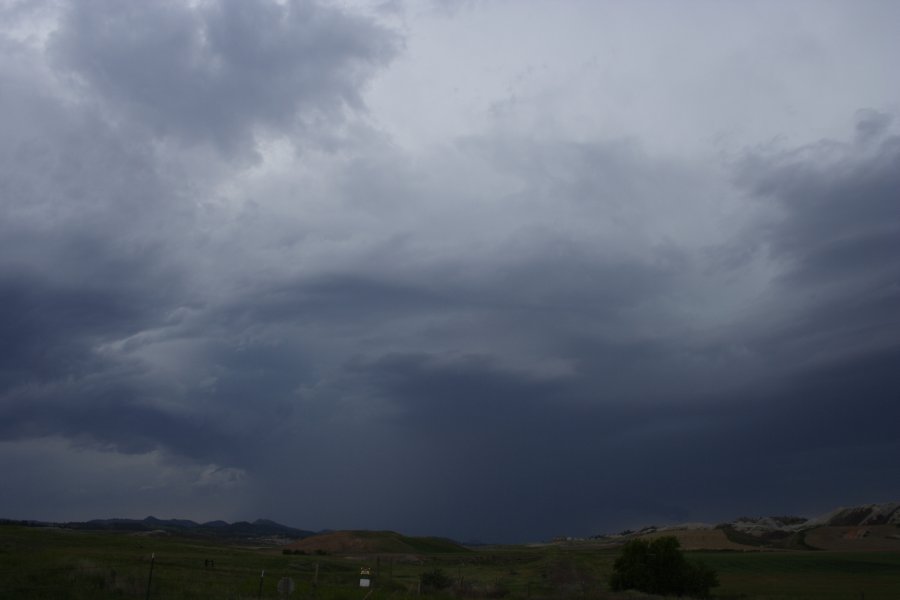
(868, 527)
(859, 516)
(260, 528)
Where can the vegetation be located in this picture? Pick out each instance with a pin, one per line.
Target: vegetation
(435, 579)
(62, 564)
(807, 575)
(374, 542)
(659, 567)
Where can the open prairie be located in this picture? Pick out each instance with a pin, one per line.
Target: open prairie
(62, 564)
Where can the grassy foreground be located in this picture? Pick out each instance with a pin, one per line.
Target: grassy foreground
(64, 564)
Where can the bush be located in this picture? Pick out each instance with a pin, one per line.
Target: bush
(659, 567)
(435, 579)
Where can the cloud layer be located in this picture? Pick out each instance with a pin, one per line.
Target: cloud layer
(236, 284)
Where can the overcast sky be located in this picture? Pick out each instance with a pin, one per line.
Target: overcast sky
(495, 270)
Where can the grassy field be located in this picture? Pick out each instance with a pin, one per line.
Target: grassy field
(62, 564)
(812, 575)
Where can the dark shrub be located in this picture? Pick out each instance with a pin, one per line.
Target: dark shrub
(659, 567)
(435, 579)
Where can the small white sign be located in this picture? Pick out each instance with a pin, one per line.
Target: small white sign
(364, 582)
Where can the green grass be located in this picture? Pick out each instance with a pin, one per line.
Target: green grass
(812, 575)
(68, 564)
(59, 565)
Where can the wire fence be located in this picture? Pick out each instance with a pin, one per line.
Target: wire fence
(165, 577)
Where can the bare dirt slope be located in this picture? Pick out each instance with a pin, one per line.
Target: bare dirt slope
(861, 538)
(700, 539)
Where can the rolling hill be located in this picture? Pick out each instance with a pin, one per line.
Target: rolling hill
(260, 528)
(867, 527)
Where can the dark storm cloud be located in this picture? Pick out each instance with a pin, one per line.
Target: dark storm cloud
(220, 71)
(336, 297)
(827, 330)
(559, 280)
(839, 203)
(81, 260)
(849, 403)
(113, 415)
(547, 459)
(509, 337)
(638, 422)
(518, 449)
(836, 243)
(99, 230)
(48, 331)
(677, 415)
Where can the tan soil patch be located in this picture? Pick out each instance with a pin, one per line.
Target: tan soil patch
(700, 539)
(848, 539)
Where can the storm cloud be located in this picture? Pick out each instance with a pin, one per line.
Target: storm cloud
(444, 269)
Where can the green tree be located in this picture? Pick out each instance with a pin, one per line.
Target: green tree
(659, 567)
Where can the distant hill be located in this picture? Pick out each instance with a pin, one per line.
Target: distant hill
(261, 528)
(866, 514)
(864, 527)
(297, 540)
(373, 542)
